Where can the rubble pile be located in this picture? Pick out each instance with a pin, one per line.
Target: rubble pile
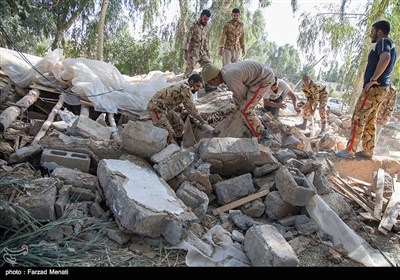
(225, 200)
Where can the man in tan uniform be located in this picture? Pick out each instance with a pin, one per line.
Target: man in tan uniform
(232, 39)
(249, 81)
(316, 94)
(161, 106)
(195, 43)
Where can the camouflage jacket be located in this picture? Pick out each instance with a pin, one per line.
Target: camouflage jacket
(232, 37)
(168, 98)
(196, 40)
(313, 92)
(386, 108)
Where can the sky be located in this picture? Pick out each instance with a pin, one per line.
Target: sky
(282, 25)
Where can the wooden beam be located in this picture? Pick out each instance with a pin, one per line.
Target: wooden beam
(359, 181)
(392, 209)
(350, 189)
(361, 203)
(239, 202)
(380, 184)
(368, 192)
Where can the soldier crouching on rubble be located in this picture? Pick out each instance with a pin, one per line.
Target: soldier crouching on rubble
(316, 94)
(249, 81)
(161, 106)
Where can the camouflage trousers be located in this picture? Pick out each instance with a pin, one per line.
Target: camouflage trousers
(323, 100)
(195, 58)
(364, 119)
(386, 108)
(170, 121)
(230, 56)
(253, 97)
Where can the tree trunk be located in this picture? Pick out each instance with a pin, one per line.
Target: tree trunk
(9, 115)
(100, 32)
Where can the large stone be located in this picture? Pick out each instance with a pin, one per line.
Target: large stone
(165, 153)
(229, 156)
(338, 204)
(321, 184)
(305, 225)
(276, 208)
(265, 169)
(199, 174)
(289, 190)
(143, 138)
(242, 221)
(194, 199)
(233, 189)
(254, 209)
(175, 164)
(42, 198)
(265, 246)
(141, 201)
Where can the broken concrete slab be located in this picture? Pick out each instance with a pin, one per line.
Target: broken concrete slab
(139, 199)
(85, 127)
(62, 200)
(229, 156)
(199, 173)
(76, 178)
(174, 165)
(265, 246)
(290, 191)
(234, 189)
(143, 138)
(284, 155)
(25, 153)
(68, 159)
(265, 157)
(194, 199)
(321, 183)
(41, 201)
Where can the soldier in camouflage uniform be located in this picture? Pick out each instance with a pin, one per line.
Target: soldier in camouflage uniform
(195, 44)
(161, 106)
(232, 39)
(315, 94)
(381, 61)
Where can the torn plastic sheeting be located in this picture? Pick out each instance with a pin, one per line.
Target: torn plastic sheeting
(216, 248)
(330, 223)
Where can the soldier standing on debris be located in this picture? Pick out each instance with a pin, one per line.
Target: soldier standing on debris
(316, 94)
(195, 44)
(232, 39)
(381, 60)
(278, 92)
(249, 81)
(161, 106)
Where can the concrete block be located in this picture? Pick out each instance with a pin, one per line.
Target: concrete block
(62, 200)
(277, 208)
(254, 209)
(242, 221)
(143, 138)
(234, 189)
(117, 235)
(96, 210)
(67, 159)
(265, 246)
(194, 199)
(265, 169)
(305, 225)
(88, 128)
(80, 194)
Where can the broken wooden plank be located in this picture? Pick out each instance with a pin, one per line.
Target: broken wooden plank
(368, 216)
(380, 184)
(392, 209)
(44, 88)
(363, 204)
(350, 188)
(368, 192)
(239, 202)
(359, 181)
(9, 115)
